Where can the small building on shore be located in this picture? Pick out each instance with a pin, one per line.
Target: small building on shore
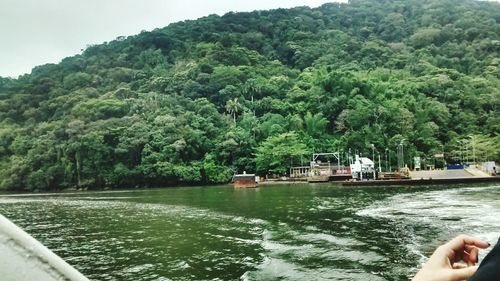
(363, 168)
(245, 180)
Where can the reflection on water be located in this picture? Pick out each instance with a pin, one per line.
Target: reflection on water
(298, 232)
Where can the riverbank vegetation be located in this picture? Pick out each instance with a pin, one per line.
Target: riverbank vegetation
(196, 101)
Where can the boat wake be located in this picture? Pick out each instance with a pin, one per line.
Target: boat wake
(309, 254)
(429, 218)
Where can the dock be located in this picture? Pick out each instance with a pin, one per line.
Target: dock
(432, 177)
(317, 179)
(429, 181)
(334, 178)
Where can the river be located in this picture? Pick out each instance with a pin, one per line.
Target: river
(296, 232)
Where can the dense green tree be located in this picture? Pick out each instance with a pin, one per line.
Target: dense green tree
(215, 172)
(278, 153)
(315, 124)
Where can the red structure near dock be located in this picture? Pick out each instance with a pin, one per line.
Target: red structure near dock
(244, 180)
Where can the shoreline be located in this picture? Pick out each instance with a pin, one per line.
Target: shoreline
(401, 182)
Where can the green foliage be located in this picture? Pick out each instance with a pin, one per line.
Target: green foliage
(315, 124)
(95, 109)
(215, 172)
(278, 153)
(426, 36)
(77, 80)
(197, 101)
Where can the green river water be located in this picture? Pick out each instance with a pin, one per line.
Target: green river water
(285, 232)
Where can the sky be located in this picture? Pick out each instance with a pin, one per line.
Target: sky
(36, 32)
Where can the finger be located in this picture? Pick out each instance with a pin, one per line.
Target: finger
(459, 265)
(470, 255)
(468, 248)
(467, 255)
(473, 255)
(461, 256)
(458, 243)
(463, 273)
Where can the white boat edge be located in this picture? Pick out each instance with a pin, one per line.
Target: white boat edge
(22, 257)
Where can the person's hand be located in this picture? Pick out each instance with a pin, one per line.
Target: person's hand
(453, 261)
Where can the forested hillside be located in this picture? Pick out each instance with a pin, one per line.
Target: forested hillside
(196, 101)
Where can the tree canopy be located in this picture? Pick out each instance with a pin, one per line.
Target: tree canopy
(198, 100)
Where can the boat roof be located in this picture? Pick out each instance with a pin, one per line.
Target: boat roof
(244, 176)
(365, 160)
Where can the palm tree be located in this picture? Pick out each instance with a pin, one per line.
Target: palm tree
(315, 124)
(251, 87)
(232, 107)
